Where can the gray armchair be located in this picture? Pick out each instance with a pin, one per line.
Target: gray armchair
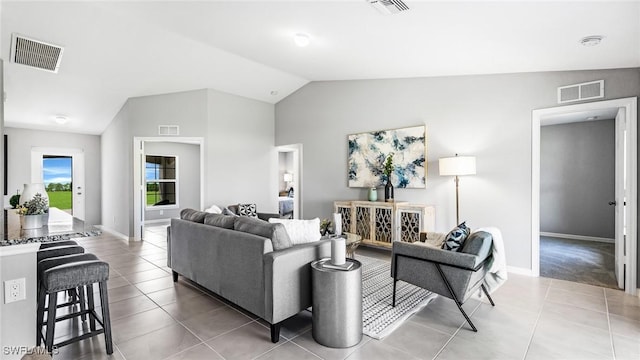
(452, 274)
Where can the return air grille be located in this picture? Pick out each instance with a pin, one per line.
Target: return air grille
(35, 53)
(388, 7)
(584, 91)
(168, 130)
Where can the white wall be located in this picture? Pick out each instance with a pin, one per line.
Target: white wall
(21, 141)
(117, 169)
(488, 116)
(241, 164)
(285, 165)
(188, 176)
(577, 178)
(240, 159)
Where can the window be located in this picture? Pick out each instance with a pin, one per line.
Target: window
(162, 181)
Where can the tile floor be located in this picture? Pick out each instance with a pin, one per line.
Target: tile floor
(535, 318)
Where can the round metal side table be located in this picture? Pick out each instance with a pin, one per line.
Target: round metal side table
(337, 304)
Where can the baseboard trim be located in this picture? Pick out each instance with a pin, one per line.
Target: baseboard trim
(578, 237)
(519, 270)
(113, 232)
(157, 221)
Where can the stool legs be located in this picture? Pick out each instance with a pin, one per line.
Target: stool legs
(92, 319)
(106, 320)
(40, 315)
(51, 321)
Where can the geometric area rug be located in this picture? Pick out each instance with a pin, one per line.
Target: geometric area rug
(378, 316)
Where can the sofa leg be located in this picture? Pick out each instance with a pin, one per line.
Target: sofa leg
(275, 332)
(175, 276)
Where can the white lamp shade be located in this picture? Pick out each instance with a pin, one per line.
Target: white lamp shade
(457, 165)
(288, 177)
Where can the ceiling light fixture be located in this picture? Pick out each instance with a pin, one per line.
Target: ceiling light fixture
(301, 39)
(591, 118)
(592, 40)
(61, 119)
(274, 92)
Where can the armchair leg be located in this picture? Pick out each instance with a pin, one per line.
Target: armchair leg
(393, 303)
(455, 298)
(484, 289)
(395, 278)
(175, 276)
(275, 332)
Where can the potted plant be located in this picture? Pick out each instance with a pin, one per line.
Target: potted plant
(324, 226)
(388, 169)
(32, 212)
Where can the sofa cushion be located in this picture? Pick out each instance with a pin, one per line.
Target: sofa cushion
(219, 220)
(300, 231)
(479, 244)
(227, 211)
(248, 210)
(193, 215)
(456, 237)
(276, 232)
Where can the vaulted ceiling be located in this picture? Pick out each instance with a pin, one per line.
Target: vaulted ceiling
(114, 50)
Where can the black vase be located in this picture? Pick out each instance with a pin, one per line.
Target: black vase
(388, 192)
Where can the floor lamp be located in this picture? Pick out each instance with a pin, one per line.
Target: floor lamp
(457, 166)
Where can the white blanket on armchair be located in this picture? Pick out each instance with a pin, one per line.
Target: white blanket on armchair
(497, 274)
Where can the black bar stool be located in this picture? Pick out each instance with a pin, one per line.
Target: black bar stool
(71, 276)
(50, 244)
(47, 264)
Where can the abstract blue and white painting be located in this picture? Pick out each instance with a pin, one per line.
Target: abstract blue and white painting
(368, 152)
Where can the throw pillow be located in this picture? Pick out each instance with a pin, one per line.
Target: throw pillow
(300, 231)
(214, 209)
(219, 220)
(456, 237)
(192, 215)
(248, 210)
(276, 232)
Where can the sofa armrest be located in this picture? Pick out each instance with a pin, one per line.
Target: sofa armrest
(288, 279)
(267, 216)
(169, 246)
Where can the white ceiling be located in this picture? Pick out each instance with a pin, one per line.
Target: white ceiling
(115, 50)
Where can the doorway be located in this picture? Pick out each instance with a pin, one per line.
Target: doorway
(290, 181)
(625, 184)
(168, 176)
(62, 172)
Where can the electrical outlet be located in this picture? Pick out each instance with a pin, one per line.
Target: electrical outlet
(161, 212)
(14, 290)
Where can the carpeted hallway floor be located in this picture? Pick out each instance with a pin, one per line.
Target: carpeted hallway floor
(586, 262)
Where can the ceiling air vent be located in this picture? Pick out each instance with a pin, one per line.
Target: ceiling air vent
(584, 91)
(35, 53)
(388, 7)
(168, 130)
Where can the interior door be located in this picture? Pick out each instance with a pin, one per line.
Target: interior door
(78, 191)
(619, 201)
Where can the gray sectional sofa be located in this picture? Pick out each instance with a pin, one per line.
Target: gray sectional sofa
(247, 261)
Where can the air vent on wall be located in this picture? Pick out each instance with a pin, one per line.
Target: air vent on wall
(388, 7)
(167, 130)
(583, 91)
(35, 53)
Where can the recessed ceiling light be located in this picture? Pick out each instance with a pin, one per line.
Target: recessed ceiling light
(274, 92)
(592, 40)
(61, 119)
(301, 39)
(591, 118)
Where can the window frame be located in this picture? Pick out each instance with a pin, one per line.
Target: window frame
(175, 181)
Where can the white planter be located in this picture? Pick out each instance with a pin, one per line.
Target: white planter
(30, 190)
(31, 221)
